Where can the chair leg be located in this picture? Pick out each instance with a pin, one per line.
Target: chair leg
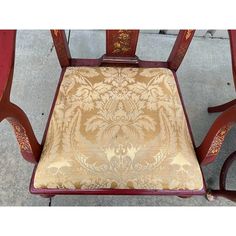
(223, 192)
(222, 107)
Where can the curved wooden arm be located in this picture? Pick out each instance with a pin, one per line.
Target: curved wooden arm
(29, 146)
(210, 147)
(61, 46)
(180, 48)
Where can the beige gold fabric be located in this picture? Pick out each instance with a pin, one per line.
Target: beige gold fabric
(118, 128)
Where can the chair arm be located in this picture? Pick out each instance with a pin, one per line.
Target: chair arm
(180, 48)
(211, 145)
(29, 146)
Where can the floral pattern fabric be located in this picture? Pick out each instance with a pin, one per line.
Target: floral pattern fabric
(118, 128)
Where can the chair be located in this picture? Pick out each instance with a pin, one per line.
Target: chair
(117, 125)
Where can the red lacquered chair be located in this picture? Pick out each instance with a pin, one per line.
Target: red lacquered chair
(117, 124)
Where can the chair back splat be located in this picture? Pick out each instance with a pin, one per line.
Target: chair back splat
(121, 45)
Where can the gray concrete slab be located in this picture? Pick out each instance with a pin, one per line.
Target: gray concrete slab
(203, 79)
(87, 43)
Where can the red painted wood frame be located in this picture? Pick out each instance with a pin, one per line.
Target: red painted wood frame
(121, 47)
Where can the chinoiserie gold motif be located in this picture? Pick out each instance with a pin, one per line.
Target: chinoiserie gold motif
(218, 140)
(122, 41)
(21, 136)
(119, 128)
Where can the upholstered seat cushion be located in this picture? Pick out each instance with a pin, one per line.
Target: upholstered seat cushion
(118, 128)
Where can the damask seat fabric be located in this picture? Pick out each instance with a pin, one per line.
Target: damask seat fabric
(121, 128)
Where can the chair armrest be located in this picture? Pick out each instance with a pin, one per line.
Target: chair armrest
(180, 48)
(211, 145)
(29, 146)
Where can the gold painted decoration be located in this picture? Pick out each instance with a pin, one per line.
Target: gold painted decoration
(122, 41)
(21, 136)
(218, 140)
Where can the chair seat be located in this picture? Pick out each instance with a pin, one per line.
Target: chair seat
(119, 128)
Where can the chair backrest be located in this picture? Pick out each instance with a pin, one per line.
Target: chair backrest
(121, 49)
